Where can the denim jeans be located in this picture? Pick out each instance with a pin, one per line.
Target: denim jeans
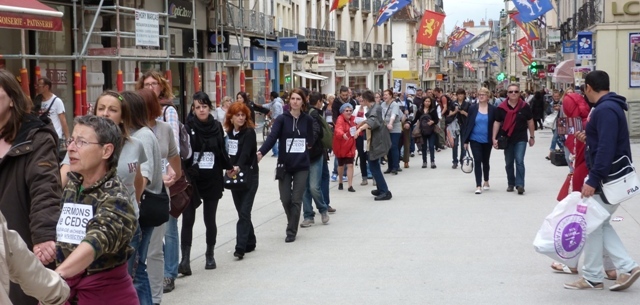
(412, 145)
(243, 200)
(171, 248)
(291, 189)
(138, 264)
(325, 182)
(514, 154)
(394, 152)
(605, 238)
(429, 142)
(376, 172)
(314, 190)
(554, 141)
(454, 150)
(275, 148)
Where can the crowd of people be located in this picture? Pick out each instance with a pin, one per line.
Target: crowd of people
(101, 217)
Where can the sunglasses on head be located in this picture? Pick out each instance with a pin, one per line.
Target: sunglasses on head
(514, 91)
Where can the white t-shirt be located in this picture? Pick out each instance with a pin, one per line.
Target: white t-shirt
(56, 109)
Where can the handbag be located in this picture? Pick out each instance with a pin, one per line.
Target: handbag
(503, 141)
(181, 192)
(549, 121)
(622, 183)
(280, 169)
(467, 163)
(240, 181)
(154, 208)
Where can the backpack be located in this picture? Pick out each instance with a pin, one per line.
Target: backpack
(327, 134)
(424, 126)
(185, 140)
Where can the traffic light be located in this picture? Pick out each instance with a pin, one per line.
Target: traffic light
(533, 67)
(500, 76)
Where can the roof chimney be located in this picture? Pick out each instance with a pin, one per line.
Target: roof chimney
(483, 23)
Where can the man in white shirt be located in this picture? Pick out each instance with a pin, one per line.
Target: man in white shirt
(54, 106)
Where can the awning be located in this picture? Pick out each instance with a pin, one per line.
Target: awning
(564, 72)
(308, 75)
(288, 44)
(29, 15)
(262, 42)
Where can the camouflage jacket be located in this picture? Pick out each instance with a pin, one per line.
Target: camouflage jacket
(110, 230)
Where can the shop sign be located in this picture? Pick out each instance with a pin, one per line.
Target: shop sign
(288, 44)
(553, 35)
(550, 69)
(618, 10)
(311, 62)
(218, 43)
(439, 77)
(57, 76)
(302, 48)
(147, 29)
(30, 22)
(585, 45)
(634, 60)
(569, 47)
(260, 57)
(236, 54)
(326, 60)
(542, 74)
(180, 11)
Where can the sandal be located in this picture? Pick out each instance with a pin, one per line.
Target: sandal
(562, 268)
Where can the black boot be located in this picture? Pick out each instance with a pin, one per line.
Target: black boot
(210, 261)
(185, 263)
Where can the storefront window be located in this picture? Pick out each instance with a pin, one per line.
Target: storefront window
(358, 82)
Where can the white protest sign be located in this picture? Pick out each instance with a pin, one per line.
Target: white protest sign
(147, 29)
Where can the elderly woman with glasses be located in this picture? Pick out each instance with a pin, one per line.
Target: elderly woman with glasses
(344, 143)
(97, 220)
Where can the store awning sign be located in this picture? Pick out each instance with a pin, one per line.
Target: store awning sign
(29, 15)
(288, 44)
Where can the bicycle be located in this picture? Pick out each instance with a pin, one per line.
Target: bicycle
(266, 127)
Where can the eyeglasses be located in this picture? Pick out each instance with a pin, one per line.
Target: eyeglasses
(151, 85)
(348, 110)
(80, 143)
(482, 94)
(516, 91)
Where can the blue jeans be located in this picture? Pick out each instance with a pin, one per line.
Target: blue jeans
(429, 142)
(314, 190)
(325, 182)
(412, 145)
(514, 154)
(554, 142)
(171, 248)
(394, 152)
(138, 264)
(275, 148)
(376, 172)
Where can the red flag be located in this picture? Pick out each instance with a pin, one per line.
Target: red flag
(429, 28)
(530, 28)
(469, 65)
(525, 58)
(524, 44)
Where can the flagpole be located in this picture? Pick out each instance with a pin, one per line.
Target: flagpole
(367, 39)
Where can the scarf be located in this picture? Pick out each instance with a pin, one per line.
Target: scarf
(509, 123)
(207, 131)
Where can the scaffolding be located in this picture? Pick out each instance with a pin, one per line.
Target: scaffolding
(121, 54)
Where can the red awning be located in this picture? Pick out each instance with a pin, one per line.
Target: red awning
(29, 15)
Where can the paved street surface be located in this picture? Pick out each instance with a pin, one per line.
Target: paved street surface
(435, 242)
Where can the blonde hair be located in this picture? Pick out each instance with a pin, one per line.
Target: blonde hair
(166, 93)
(484, 91)
(225, 100)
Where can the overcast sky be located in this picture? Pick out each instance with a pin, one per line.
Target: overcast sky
(461, 10)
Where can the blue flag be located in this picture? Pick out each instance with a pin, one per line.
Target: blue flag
(530, 10)
(389, 8)
(495, 50)
(488, 59)
(457, 45)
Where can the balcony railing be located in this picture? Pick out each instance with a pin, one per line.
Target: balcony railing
(587, 15)
(388, 52)
(354, 49)
(341, 48)
(377, 51)
(376, 6)
(354, 5)
(249, 20)
(320, 38)
(366, 6)
(366, 50)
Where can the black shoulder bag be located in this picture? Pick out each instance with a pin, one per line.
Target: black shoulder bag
(154, 208)
(280, 169)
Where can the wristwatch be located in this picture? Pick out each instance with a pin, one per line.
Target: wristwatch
(532, 137)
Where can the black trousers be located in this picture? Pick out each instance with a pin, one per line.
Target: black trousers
(481, 155)
(363, 156)
(292, 188)
(209, 209)
(243, 200)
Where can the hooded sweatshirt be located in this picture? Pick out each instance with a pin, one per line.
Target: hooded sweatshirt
(607, 136)
(286, 128)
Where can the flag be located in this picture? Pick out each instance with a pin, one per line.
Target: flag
(338, 4)
(469, 66)
(464, 38)
(429, 28)
(388, 9)
(488, 59)
(524, 45)
(525, 58)
(530, 10)
(530, 28)
(496, 50)
(451, 62)
(427, 64)
(454, 34)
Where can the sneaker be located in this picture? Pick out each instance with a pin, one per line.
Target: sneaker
(420, 152)
(331, 210)
(433, 165)
(510, 188)
(364, 182)
(454, 166)
(486, 186)
(424, 164)
(344, 178)
(307, 223)
(168, 285)
(325, 218)
(334, 178)
(478, 191)
(625, 280)
(582, 283)
(520, 190)
(413, 155)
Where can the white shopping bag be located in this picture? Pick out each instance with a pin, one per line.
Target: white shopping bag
(563, 233)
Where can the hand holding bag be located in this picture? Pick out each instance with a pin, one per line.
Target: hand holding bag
(622, 183)
(154, 208)
(181, 192)
(239, 181)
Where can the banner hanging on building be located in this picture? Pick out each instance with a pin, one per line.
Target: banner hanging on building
(585, 45)
(389, 8)
(147, 29)
(530, 10)
(530, 29)
(569, 47)
(429, 28)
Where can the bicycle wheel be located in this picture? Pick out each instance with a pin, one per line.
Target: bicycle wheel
(265, 132)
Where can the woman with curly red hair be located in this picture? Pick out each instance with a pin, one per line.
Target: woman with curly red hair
(242, 148)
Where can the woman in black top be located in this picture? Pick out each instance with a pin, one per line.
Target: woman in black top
(294, 130)
(242, 147)
(205, 168)
(537, 107)
(253, 107)
(429, 136)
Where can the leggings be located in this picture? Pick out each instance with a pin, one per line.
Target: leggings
(481, 154)
(209, 209)
(430, 143)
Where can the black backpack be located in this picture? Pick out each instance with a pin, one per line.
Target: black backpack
(424, 126)
(44, 115)
(185, 140)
